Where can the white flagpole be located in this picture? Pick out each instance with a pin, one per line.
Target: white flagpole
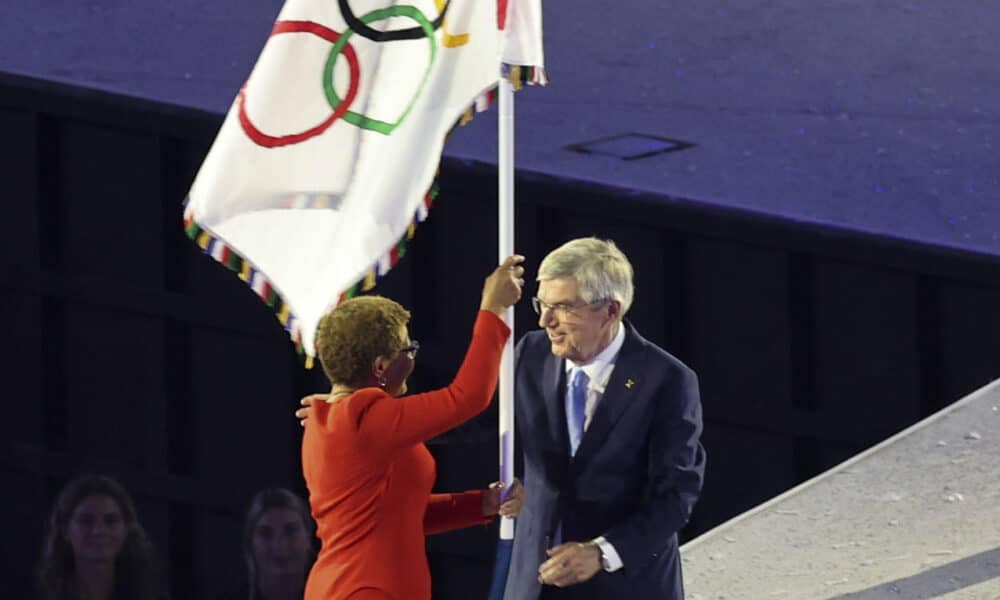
(505, 165)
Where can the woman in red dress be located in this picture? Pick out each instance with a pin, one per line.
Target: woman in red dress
(368, 471)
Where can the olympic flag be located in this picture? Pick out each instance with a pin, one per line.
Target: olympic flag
(326, 159)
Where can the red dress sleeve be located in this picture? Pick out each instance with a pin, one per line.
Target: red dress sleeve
(385, 423)
(446, 512)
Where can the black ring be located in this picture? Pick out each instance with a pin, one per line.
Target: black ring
(362, 29)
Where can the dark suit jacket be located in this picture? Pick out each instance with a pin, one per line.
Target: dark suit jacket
(634, 478)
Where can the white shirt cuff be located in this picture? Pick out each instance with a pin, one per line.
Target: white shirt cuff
(609, 552)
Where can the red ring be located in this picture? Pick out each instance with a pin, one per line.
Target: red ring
(270, 141)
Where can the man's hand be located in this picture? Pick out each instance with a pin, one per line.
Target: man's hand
(570, 563)
(496, 502)
(302, 414)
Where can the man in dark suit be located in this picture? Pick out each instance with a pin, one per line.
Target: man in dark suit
(609, 427)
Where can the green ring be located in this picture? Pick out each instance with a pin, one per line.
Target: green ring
(360, 120)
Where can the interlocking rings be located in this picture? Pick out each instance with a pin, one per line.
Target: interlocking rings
(342, 47)
(360, 120)
(272, 141)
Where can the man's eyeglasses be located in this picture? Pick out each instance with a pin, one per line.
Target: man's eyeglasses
(412, 349)
(560, 309)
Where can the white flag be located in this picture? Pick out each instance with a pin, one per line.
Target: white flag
(328, 155)
(522, 39)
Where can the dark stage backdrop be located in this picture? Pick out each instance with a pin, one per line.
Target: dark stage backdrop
(127, 352)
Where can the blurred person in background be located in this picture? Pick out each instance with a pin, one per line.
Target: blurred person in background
(278, 550)
(95, 548)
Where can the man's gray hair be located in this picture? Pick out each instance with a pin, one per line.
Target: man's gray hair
(602, 271)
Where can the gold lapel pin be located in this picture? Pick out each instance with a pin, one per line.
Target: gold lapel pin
(629, 383)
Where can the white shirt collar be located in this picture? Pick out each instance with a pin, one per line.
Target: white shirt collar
(599, 369)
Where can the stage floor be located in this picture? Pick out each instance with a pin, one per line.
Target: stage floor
(878, 117)
(915, 517)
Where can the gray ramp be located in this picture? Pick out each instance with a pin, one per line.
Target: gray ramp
(915, 517)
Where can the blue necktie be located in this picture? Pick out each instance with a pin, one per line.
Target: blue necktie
(576, 408)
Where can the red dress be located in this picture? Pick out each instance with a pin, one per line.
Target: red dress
(370, 475)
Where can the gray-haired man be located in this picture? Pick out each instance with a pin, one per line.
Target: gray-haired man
(609, 427)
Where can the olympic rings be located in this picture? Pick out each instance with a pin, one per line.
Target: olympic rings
(360, 26)
(339, 110)
(363, 121)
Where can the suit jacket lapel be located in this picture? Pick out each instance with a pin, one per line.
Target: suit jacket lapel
(623, 386)
(553, 377)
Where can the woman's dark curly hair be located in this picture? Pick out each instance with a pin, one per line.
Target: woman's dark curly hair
(355, 333)
(135, 572)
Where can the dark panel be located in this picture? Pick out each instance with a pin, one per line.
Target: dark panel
(217, 564)
(461, 561)
(744, 469)
(180, 409)
(109, 203)
(19, 154)
(645, 248)
(54, 393)
(829, 456)
(26, 504)
(866, 356)
(154, 515)
(21, 369)
(115, 386)
(802, 330)
(179, 162)
(458, 577)
(677, 303)
(183, 550)
(739, 311)
(244, 433)
(970, 338)
(465, 465)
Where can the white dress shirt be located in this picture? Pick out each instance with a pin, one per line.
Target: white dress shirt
(598, 373)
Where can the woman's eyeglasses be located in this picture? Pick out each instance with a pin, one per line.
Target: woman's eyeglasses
(412, 349)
